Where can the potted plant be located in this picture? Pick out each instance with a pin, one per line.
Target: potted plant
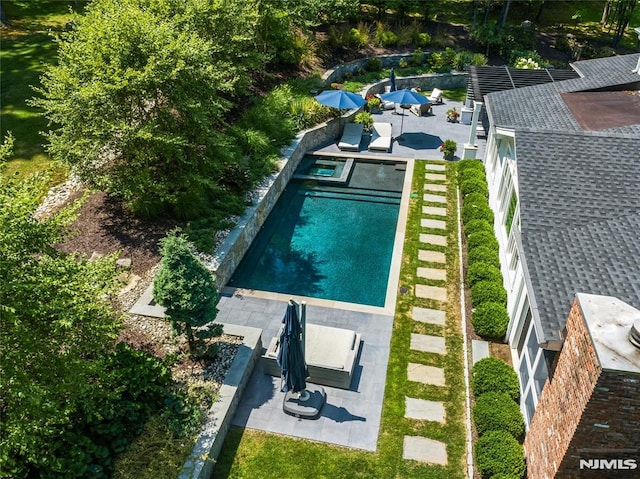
(453, 115)
(448, 149)
(365, 119)
(374, 104)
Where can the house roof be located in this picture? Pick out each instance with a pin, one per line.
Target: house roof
(580, 218)
(578, 185)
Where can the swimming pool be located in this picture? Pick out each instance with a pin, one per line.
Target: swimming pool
(327, 239)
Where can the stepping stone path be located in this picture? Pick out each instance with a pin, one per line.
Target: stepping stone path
(419, 448)
(479, 350)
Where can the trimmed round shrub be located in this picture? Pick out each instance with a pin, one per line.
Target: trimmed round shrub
(473, 211)
(488, 292)
(496, 411)
(482, 238)
(482, 254)
(471, 173)
(497, 452)
(490, 320)
(483, 272)
(502, 475)
(475, 226)
(494, 375)
(474, 185)
(470, 163)
(477, 199)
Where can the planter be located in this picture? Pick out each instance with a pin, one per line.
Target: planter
(449, 156)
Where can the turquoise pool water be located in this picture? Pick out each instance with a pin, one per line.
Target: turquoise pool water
(327, 241)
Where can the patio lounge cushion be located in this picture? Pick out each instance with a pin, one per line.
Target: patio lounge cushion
(329, 347)
(420, 110)
(436, 96)
(381, 137)
(351, 137)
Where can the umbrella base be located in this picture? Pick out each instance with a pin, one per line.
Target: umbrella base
(309, 409)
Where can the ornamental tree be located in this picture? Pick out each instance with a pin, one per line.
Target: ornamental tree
(186, 289)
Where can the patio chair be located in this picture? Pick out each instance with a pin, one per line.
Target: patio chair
(381, 137)
(351, 137)
(436, 96)
(419, 110)
(386, 105)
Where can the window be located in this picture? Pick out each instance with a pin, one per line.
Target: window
(525, 328)
(540, 375)
(511, 211)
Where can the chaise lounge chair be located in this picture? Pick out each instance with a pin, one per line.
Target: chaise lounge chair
(381, 137)
(436, 96)
(419, 110)
(351, 137)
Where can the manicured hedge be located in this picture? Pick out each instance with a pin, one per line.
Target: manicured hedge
(474, 185)
(482, 254)
(498, 452)
(476, 198)
(471, 173)
(488, 292)
(502, 475)
(490, 320)
(470, 163)
(482, 238)
(483, 272)
(474, 211)
(475, 226)
(496, 411)
(493, 374)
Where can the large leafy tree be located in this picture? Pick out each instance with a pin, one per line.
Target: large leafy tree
(140, 95)
(186, 288)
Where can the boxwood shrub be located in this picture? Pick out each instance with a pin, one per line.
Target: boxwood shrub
(493, 374)
(502, 475)
(471, 173)
(470, 163)
(496, 411)
(488, 292)
(483, 272)
(476, 198)
(497, 452)
(474, 185)
(475, 226)
(490, 320)
(482, 254)
(476, 211)
(482, 238)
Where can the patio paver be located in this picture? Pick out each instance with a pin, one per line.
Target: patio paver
(435, 176)
(434, 210)
(430, 316)
(431, 256)
(479, 350)
(433, 239)
(424, 410)
(423, 449)
(421, 373)
(436, 224)
(434, 198)
(428, 344)
(432, 273)
(431, 292)
(434, 167)
(434, 187)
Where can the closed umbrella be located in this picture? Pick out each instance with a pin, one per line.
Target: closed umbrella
(392, 80)
(340, 99)
(291, 355)
(405, 97)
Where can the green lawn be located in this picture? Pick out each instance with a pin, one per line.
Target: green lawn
(25, 49)
(255, 454)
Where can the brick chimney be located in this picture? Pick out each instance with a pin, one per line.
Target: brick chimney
(587, 422)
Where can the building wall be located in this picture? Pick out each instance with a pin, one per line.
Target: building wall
(584, 412)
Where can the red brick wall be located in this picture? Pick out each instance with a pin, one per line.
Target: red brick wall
(584, 412)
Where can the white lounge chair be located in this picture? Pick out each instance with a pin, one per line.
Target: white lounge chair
(351, 137)
(420, 110)
(381, 137)
(436, 96)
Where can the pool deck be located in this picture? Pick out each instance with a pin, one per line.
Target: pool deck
(351, 417)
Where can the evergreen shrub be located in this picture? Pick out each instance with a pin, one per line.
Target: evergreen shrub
(496, 411)
(482, 254)
(474, 185)
(498, 452)
(476, 226)
(482, 238)
(475, 211)
(494, 375)
(483, 272)
(488, 292)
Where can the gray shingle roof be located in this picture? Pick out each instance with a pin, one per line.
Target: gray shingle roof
(579, 196)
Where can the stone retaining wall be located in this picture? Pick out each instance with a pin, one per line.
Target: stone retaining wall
(205, 452)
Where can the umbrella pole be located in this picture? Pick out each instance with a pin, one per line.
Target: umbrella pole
(304, 395)
(401, 126)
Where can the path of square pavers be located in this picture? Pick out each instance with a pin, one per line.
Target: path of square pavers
(414, 447)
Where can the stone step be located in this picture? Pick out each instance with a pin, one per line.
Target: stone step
(434, 210)
(437, 224)
(435, 176)
(434, 167)
(424, 410)
(438, 188)
(423, 449)
(431, 292)
(428, 344)
(434, 198)
(431, 256)
(479, 350)
(421, 373)
(429, 316)
(432, 273)
(433, 239)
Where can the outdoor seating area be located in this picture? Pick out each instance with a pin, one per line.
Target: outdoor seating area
(381, 137)
(435, 96)
(330, 354)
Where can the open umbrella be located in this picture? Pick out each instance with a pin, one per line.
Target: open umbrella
(340, 99)
(291, 354)
(405, 97)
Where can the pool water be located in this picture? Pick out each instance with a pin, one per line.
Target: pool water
(329, 242)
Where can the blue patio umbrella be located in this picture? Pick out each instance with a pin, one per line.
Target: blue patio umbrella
(392, 80)
(291, 354)
(405, 97)
(340, 99)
